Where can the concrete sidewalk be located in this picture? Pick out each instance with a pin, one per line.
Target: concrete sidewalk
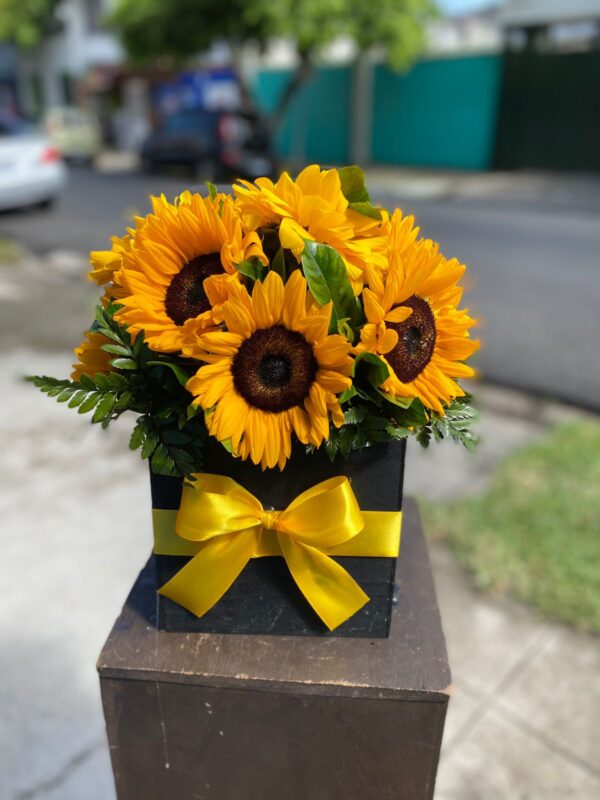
(558, 190)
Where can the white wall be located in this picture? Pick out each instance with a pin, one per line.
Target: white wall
(533, 12)
(73, 51)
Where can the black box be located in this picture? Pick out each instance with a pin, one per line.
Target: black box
(264, 599)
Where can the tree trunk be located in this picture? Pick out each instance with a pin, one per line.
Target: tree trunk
(363, 82)
(300, 76)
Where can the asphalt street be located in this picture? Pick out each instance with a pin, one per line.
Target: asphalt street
(534, 269)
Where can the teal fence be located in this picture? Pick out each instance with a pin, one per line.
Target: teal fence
(442, 113)
(316, 127)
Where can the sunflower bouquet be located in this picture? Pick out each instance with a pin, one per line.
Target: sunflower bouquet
(288, 313)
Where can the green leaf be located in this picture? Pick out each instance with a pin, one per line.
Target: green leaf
(347, 394)
(101, 381)
(137, 437)
(354, 189)
(193, 411)
(117, 382)
(212, 190)
(227, 445)
(278, 264)
(378, 371)
(366, 209)
(65, 394)
(401, 402)
(327, 279)
(87, 383)
(159, 459)
(104, 407)
(344, 329)
(150, 444)
(77, 398)
(355, 415)
(175, 437)
(123, 363)
(117, 349)
(252, 268)
(139, 345)
(124, 401)
(181, 375)
(101, 318)
(90, 401)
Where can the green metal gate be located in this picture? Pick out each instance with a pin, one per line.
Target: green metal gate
(550, 111)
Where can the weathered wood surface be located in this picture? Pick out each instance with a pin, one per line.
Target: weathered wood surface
(228, 717)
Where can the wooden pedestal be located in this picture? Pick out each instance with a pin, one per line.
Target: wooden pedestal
(241, 717)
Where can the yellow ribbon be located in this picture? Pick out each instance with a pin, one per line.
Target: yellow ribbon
(223, 526)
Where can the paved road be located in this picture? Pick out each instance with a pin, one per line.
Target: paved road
(534, 267)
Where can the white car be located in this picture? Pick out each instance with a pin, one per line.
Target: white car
(32, 171)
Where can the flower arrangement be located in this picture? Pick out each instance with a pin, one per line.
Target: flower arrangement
(287, 311)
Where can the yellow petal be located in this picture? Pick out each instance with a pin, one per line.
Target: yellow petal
(373, 311)
(399, 314)
(387, 341)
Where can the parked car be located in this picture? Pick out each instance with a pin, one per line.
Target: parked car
(214, 144)
(32, 171)
(74, 132)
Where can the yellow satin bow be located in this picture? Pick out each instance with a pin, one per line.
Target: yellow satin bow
(230, 526)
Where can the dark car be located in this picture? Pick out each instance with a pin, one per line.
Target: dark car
(214, 144)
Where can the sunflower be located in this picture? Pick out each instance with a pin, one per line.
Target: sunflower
(275, 371)
(396, 236)
(311, 207)
(414, 325)
(107, 263)
(91, 359)
(180, 270)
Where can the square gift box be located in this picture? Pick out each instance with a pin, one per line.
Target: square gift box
(264, 598)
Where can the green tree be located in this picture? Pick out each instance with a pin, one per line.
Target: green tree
(180, 29)
(24, 22)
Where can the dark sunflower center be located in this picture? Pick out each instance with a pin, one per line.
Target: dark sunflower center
(185, 296)
(274, 369)
(416, 340)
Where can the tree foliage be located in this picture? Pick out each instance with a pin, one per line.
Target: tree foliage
(23, 22)
(179, 29)
(183, 28)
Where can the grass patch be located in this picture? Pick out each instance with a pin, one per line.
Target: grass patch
(536, 532)
(9, 252)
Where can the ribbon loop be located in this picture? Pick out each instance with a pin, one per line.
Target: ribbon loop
(229, 526)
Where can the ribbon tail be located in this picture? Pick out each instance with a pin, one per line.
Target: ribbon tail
(210, 573)
(331, 591)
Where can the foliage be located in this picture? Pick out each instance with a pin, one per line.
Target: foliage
(169, 432)
(328, 281)
(180, 29)
(534, 532)
(183, 28)
(24, 23)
